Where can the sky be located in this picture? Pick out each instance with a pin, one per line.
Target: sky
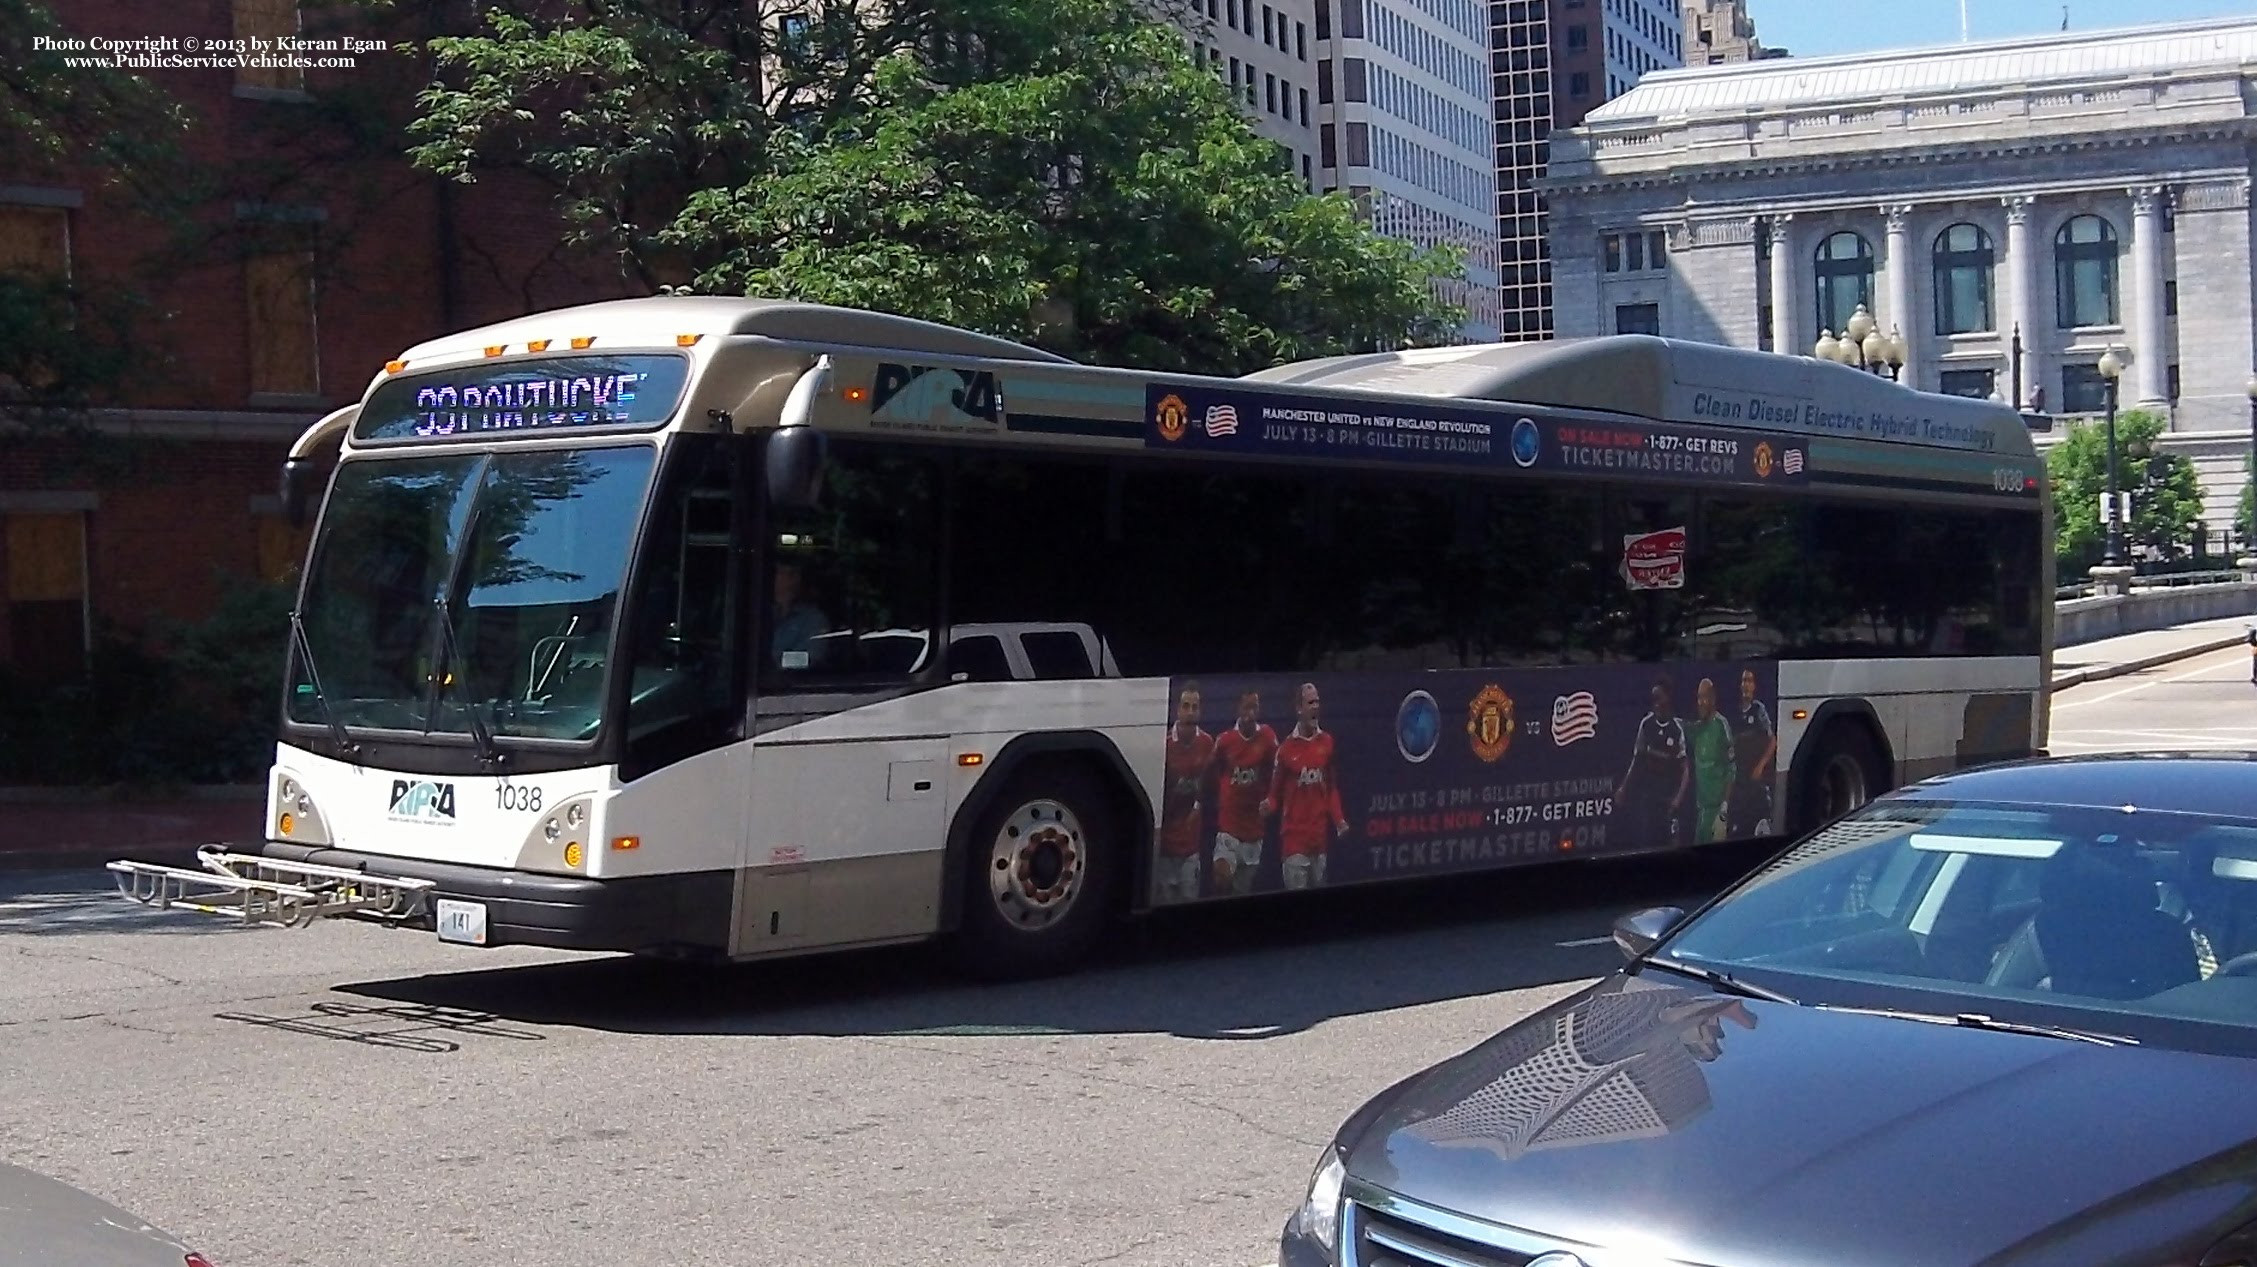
(1814, 28)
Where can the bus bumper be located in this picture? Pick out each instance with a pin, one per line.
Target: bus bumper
(686, 914)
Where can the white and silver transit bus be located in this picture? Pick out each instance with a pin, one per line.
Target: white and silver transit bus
(729, 628)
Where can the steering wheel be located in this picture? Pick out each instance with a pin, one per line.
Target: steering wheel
(2238, 966)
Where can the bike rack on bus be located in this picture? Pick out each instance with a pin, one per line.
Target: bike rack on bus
(268, 891)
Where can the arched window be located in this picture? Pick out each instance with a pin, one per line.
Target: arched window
(2084, 273)
(1845, 279)
(1964, 261)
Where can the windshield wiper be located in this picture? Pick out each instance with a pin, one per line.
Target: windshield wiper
(1979, 1020)
(337, 731)
(1724, 981)
(450, 654)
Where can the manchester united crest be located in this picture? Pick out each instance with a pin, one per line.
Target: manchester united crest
(1763, 460)
(1489, 723)
(1173, 416)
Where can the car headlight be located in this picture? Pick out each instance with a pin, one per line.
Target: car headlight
(1319, 1219)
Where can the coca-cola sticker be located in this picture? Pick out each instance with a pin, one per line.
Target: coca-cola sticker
(1654, 560)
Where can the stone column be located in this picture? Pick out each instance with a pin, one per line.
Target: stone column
(2022, 304)
(2148, 330)
(1786, 296)
(1900, 315)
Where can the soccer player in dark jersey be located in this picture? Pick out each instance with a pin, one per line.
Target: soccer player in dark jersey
(1755, 745)
(1649, 805)
(1244, 755)
(1191, 753)
(1305, 795)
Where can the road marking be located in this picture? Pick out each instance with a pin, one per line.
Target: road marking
(2161, 681)
(1587, 941)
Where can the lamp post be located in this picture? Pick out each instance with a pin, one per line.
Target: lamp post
(1863, 346)
(2251, 388)
(2111, 369)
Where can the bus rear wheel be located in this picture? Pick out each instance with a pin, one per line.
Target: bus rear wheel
(1042, 867)
(1848, 771)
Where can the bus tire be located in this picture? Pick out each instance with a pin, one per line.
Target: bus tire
(1046, 857)
(1846, 770)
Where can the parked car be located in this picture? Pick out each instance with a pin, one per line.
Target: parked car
(2004, 1017)
(47, 1223)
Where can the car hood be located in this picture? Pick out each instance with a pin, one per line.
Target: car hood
(44, 1222)
(1732, 1132)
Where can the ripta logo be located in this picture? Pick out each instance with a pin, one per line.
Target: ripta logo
(928, 395)
(423, 801)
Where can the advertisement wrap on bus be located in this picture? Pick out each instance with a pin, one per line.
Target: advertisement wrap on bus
(1324, 779)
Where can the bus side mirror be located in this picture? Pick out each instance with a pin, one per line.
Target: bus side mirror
(297, 480)
(796, 458)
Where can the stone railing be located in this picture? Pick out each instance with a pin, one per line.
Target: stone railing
(2118, 603)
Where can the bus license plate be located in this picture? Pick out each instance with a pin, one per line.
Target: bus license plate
(463, 922)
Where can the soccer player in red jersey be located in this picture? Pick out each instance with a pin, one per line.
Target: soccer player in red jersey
(1191, 752)
(1305, 796)
(1244, 756)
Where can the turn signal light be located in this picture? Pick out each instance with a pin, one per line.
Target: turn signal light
(856, 395)
(1801, 714)
(288, 823)
(572, 854)
(625, 843)
(969, 759)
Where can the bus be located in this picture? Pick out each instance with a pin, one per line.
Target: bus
(723, 628)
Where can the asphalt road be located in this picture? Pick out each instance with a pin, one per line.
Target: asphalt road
(2202, 703)
(346, 1094)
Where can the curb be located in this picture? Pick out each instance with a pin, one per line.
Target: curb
(2103, 672)
(89, 859)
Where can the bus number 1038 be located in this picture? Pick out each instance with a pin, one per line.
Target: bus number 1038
(508, 795)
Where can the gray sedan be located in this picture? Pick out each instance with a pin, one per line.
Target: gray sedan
(48, 1223)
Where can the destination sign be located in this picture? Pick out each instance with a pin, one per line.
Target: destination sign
(555, 393)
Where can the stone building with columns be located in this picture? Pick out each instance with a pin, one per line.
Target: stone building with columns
(2011, 209)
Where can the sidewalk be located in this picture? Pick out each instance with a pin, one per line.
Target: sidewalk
(59, 834)
(2130, 653)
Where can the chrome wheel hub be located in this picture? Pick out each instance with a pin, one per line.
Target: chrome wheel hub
(1037, 865)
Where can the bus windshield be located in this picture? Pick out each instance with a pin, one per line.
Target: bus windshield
(485, 581)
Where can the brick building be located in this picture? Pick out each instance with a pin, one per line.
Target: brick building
(322, 255)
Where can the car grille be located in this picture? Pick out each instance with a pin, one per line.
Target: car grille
(1381, 1240)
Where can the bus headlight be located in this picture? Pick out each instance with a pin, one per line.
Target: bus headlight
(559, 841)
(296, 818)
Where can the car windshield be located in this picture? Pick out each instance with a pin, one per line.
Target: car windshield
(2131, 922)
(526, 549)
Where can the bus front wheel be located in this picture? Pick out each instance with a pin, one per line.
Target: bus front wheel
(1041, 871)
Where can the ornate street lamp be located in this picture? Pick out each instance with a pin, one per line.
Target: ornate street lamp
(2111, 369)
(1862, 346)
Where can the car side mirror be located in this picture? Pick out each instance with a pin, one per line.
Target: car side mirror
(1640, 931)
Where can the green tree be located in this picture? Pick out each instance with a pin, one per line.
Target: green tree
(1068, 178)
(2166, 496)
